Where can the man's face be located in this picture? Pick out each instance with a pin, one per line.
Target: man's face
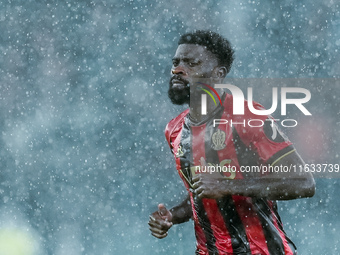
(189, 63)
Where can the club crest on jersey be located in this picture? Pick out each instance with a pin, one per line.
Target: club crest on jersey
(218, 139)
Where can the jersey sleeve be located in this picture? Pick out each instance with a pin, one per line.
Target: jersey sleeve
(271, 143)
(173, 128)
(263, 135)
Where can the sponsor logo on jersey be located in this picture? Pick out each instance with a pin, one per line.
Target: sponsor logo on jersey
(179, 152)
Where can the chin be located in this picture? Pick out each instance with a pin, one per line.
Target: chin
(179, 97)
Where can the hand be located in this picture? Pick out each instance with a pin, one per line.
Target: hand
(160, 222)
(209, 185)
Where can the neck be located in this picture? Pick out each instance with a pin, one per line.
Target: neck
(196, 106)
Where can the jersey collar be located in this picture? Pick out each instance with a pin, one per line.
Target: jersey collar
(217, 110)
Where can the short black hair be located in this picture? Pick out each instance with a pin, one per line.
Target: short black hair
(213, 42)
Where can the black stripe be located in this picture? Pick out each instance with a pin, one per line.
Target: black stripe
(234, 225)
(185, 144)
(206, 226)
(271, 233)
(211, 155)
(245, 155)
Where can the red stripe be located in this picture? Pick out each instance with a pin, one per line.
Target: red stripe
(223, 239)
(175, 145)
(198, 149)
(252, 224)
(288, 250)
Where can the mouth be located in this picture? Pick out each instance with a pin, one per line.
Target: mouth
(178, 84)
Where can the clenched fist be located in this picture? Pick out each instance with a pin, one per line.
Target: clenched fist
(160, 222)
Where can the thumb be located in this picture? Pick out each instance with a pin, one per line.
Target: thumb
(165, 214)
(162, 210)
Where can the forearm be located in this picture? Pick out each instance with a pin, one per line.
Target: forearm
(270, 188)
(273, 186)
(182, 212)
(277, 185)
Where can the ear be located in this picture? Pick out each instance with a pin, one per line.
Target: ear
(222, 72)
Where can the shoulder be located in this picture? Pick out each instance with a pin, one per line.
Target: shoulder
(255, 123)
(174, 126)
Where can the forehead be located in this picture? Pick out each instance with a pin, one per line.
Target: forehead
(194, 51)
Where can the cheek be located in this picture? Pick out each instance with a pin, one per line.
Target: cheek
(206, 74)
(208, 69)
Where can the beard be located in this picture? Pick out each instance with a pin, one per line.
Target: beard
(179, 96)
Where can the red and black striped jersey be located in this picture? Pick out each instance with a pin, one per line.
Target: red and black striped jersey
(233, 224)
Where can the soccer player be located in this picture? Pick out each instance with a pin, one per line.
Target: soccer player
(234, 211)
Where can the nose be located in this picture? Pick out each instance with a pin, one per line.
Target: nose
(178, 70)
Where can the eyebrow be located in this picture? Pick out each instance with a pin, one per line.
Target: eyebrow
(185, 59)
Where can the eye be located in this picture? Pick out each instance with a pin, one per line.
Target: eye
(175, 62)
(191, 64)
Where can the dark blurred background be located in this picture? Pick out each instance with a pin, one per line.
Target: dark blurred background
(83, 107)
